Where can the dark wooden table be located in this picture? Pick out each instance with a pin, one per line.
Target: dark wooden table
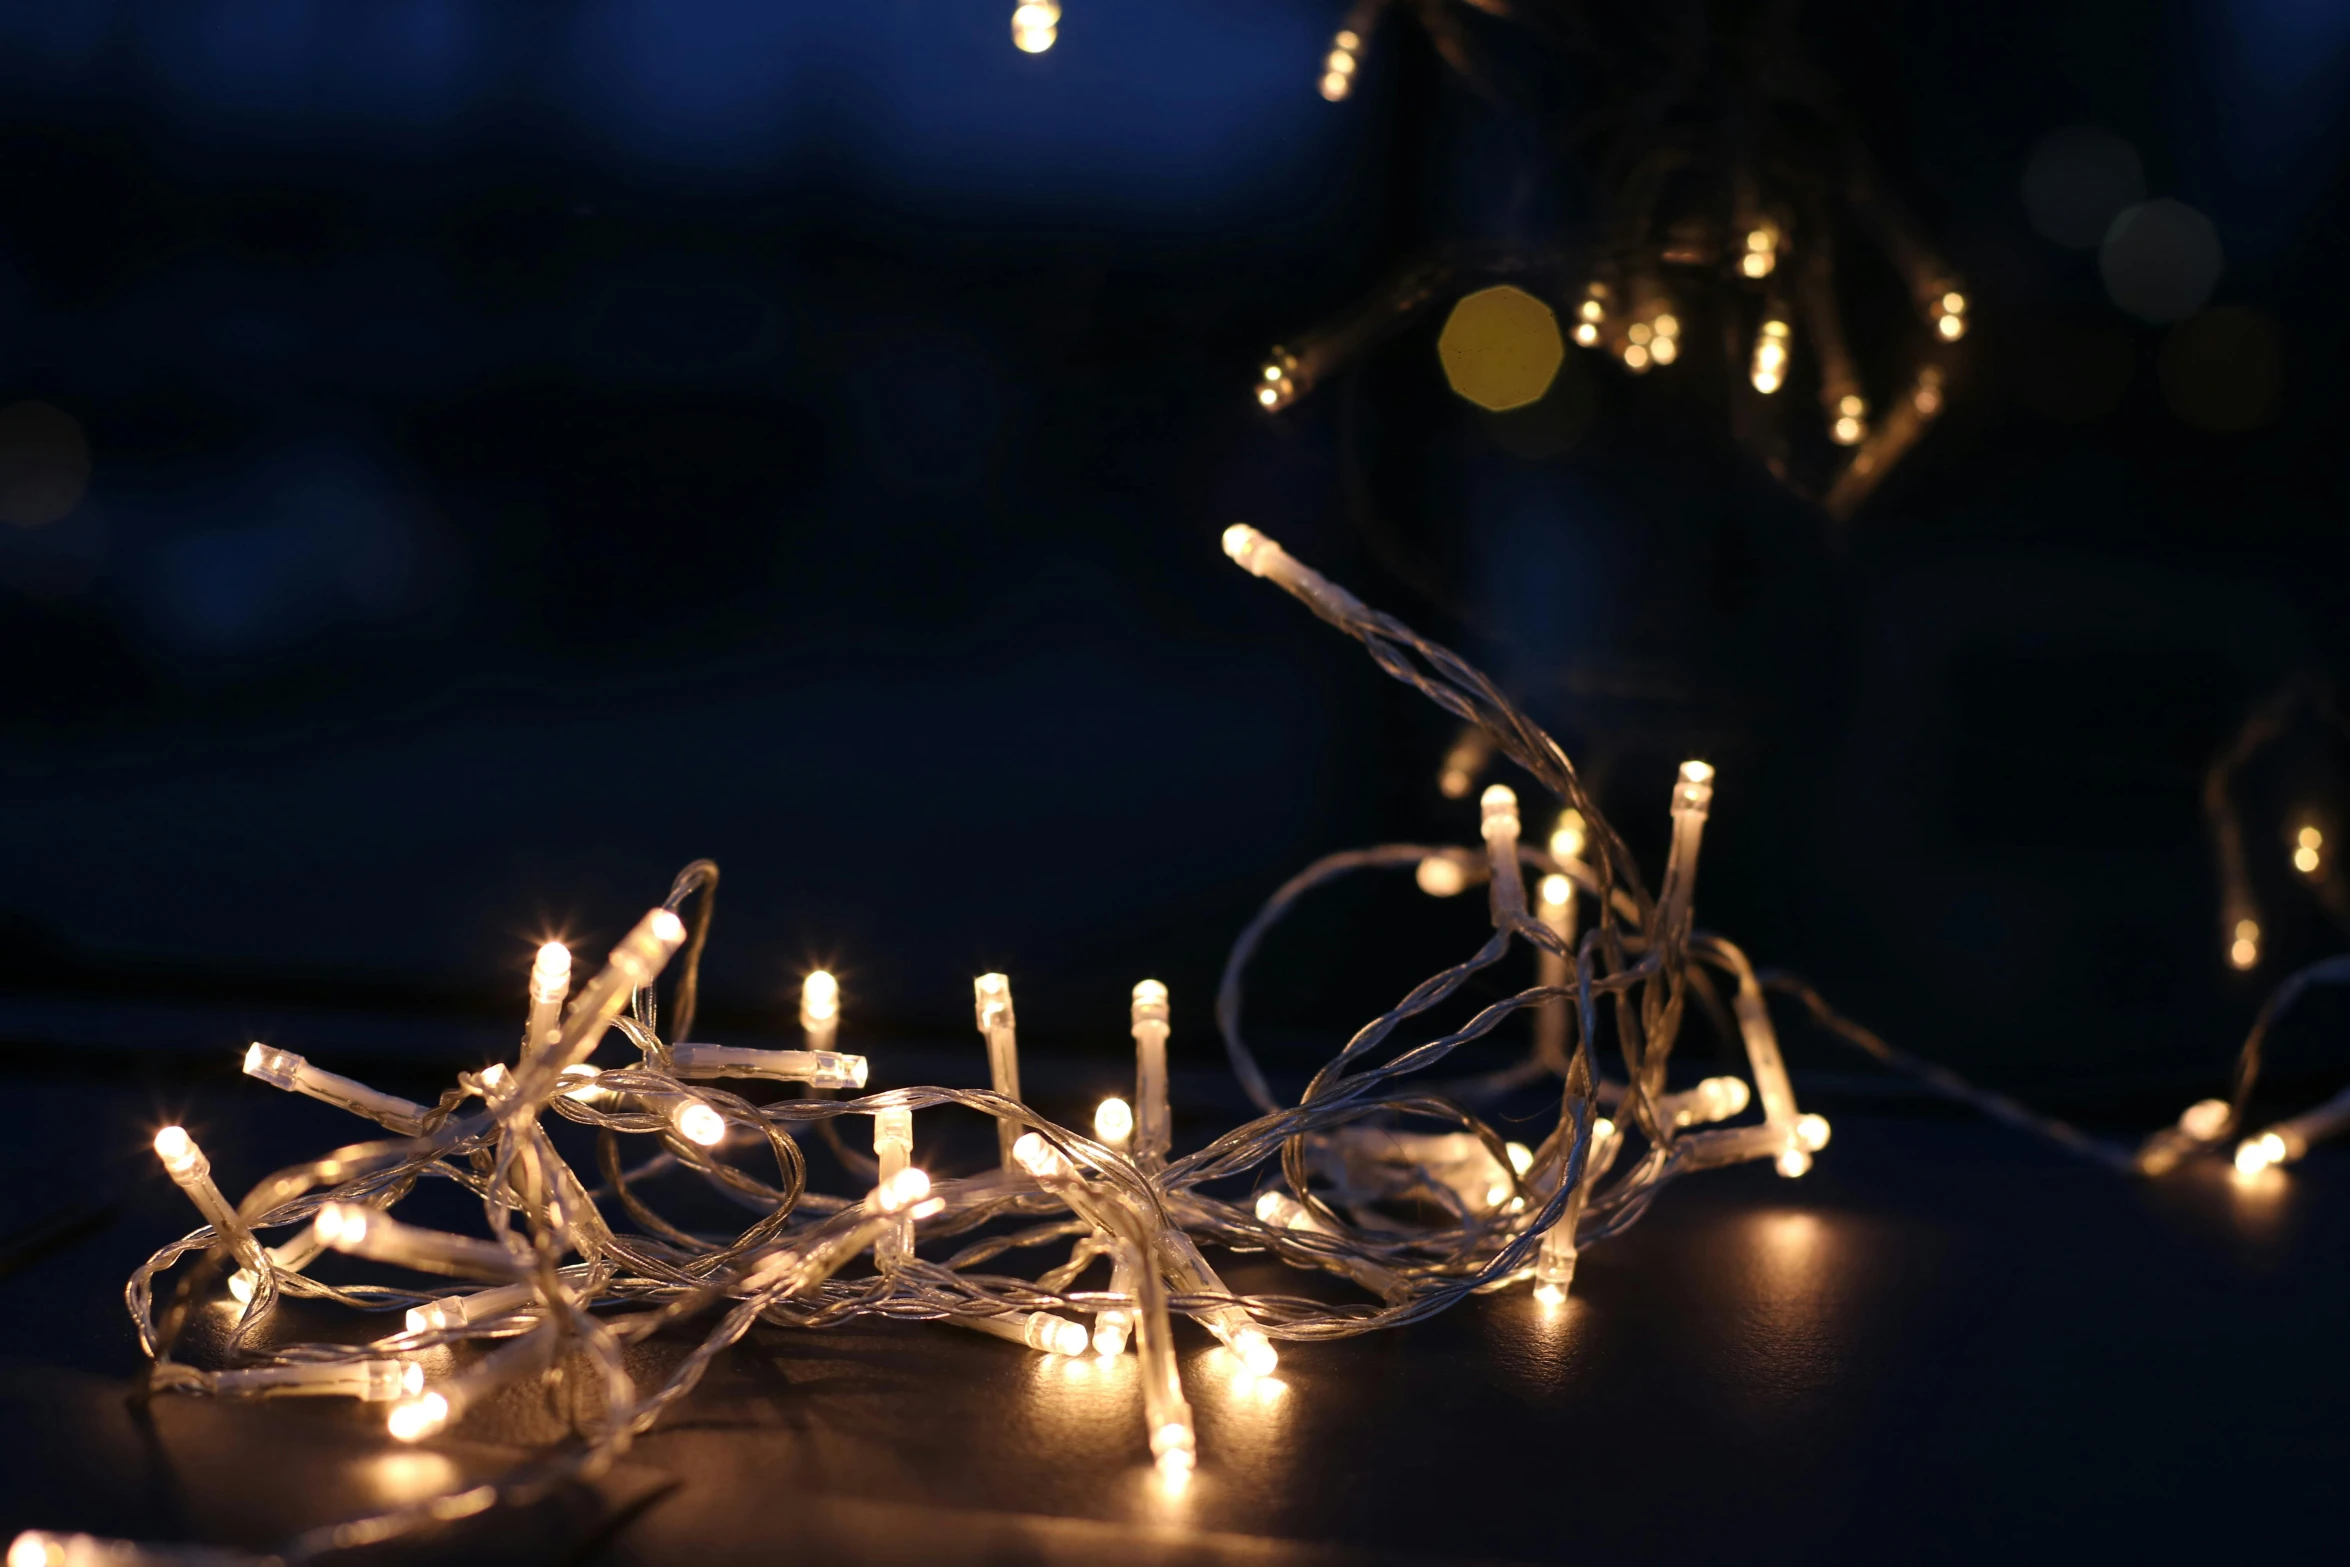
(1946, 1344)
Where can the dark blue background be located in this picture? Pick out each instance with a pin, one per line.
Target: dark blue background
(534, 445)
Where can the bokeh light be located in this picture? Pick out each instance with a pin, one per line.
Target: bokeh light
(1501, 348)
(44, 464)
(2161, 260)
(2077, 181)
(2221, 370)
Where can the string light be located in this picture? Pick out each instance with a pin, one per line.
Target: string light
(2306, 846)
(1036, 24)
(1113, 1122)
(286, 1070)
(1153, 1124)
(1441, 876)
(1852, 420)
(1335, 1160)
(1947, 311)
(1769, 371)
(1277, 386)
(820, 1019)
(550, 984)
(1340, 65)
(992, 1001)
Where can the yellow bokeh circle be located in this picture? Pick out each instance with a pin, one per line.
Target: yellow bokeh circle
(1501, 348)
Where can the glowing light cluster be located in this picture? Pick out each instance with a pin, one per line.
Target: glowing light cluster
(1036, 26)
(1510, 1212)
(1341, 64)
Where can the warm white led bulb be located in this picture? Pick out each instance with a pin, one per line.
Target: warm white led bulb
(1113, 1122)
(1038, 1157)
(1768, 371)
(2244, 951)
(1256, 1352)
(819, 998)
(697, 1123)
(2205, 1119)
(1441, 876)
(1035, 26)
(902, 1192)
(550, 971)
(2255, 1154)
(1521, 1157)
(414, 1419)
(1812, 1132)
(177, 1150)
(1569, 836)
(1557, 892)
(1793, 1162)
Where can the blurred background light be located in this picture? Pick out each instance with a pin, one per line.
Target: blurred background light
(1501, 348)
(2161, 259)
(2078, 181)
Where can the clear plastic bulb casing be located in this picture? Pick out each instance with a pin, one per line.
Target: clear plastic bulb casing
(1498, 822)
(1039, 1330)
(360, 1231)
(816, 1068)
(893, 1152)
(1232, 1325)
(286, 1070)
(991, 1002)
(372, 1381)
(635, 963)
(191, 1172)
(1113, 1123)
(460, 1311)
(550, 985)
(1154, 1130)
(1114, 1325)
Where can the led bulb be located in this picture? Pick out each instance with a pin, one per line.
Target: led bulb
(1521, 1157)
(1768, 371)
(1664, 350)
(178, 1151)
(1793, 1162)
(1851, 422)
(1113, 1122)
(1568, 837)
(1340, 65)
(697, 1123)
(1586, 334)
(2255, 1154)
(819, 998)
(902, 1192)
(2244, 951)
(1948, 312)
(2205, 1119)
(414, 1419)
(1035, 26)
(1812, 1132)
(1038, 1157)
(1441, 876)
(550, 972)
(1256, 1352)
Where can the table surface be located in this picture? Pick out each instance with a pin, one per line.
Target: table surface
(1945, 1341)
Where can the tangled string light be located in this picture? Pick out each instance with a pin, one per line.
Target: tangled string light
(1416, 1220)
(1735, 205)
